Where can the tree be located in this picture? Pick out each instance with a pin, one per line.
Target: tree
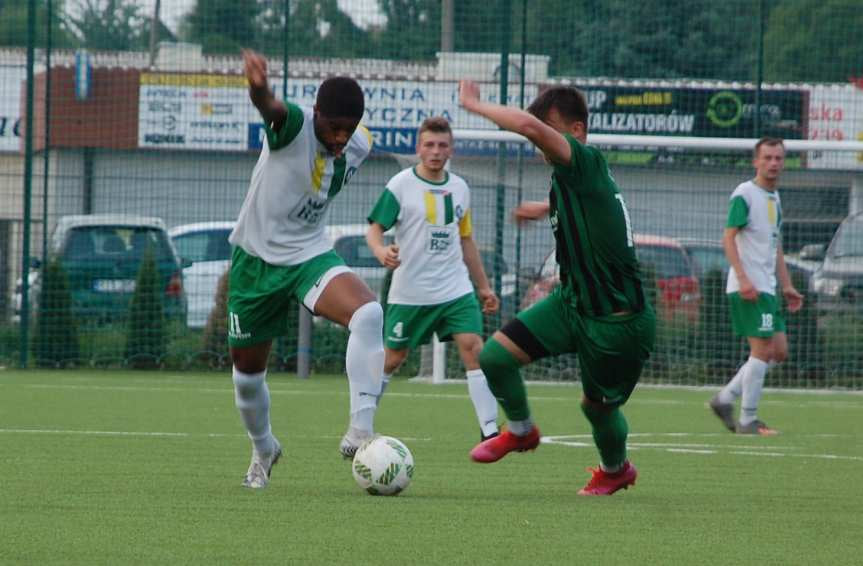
(55, 342)
(109, 24)
(814, 40)
(146, 342)
(224, 26)
(13, 24)
(412, 30)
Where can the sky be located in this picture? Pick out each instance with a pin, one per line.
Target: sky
(362, 12)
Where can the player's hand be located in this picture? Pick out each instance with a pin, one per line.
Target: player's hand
(468, 93)
(748, 291)
(490, 302)
(255, 68)
(530, 210)
(388, 256)
(793, 299)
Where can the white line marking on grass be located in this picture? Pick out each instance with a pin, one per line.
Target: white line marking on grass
(152, 434)
(90, 432)
(701, 448)
(690, 451)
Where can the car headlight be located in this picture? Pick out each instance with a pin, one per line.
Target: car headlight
(828, 286)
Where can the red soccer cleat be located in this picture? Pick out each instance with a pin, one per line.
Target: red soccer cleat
(603, 483)
(495, 448)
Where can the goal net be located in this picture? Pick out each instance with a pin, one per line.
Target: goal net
(677, 191)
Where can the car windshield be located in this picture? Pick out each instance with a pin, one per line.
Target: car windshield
(116, 243)
(666, 262)
(208, 245)
(849, 240)
(708, 259)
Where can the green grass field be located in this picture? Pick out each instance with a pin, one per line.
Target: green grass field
(108, 467)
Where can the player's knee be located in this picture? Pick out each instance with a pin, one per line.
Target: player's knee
(368, 318)
(394, 360)
(780, 354)
(493, 358)
(471, 351)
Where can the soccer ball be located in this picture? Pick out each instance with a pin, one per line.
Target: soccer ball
(383, 466)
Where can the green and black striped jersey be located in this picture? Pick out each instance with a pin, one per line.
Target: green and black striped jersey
(593, 233)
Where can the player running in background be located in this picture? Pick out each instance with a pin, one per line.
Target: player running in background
(599, 311)
(753, 246)
(281, 253)
(434, 258)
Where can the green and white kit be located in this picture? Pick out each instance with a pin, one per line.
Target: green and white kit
(281, 250)
(757, 213)
(431, 289)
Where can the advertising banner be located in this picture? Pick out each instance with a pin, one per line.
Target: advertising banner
(12, 79)
(699, 112)
(213, 112)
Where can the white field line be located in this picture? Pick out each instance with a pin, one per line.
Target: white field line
(155, 434)
(699, 448)
(275, 390)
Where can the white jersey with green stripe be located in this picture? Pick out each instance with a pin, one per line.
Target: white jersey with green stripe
(430, 219)
(757, 213)
(283, 217)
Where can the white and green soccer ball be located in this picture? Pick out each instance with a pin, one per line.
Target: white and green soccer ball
(383, 466)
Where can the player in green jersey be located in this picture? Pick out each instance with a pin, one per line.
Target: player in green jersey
(600, 311)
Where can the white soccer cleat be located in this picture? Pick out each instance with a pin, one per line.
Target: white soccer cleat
(352, 440)
(258, 475)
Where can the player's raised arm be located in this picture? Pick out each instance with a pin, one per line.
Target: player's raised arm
(272, 110)
(547, 139)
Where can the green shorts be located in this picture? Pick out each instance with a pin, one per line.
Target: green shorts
(611, 351)
(260, 294)
(409, 326)
(759, 319)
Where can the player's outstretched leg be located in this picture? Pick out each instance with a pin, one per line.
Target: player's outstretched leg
(501, 369)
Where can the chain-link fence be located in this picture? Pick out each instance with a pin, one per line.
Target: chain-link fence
(125, 161)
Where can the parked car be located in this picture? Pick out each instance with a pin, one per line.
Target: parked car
(678, 288)
(838, 279)
(101, 255)
(205, 246)
(705, 256)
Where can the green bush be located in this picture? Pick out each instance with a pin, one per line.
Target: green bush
(147, 337)
(215, 337)
(55, 341)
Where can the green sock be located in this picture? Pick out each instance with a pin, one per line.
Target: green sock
(609, 434)
(504, 379)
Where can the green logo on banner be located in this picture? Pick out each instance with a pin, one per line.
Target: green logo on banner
(724, 109)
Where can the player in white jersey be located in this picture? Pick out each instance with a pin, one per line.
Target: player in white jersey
(434, 257)
(281, 253)
(753, 246)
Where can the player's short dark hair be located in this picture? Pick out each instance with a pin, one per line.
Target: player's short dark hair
(435, 124)
(340, 97)
(568, 101)
(767, 140)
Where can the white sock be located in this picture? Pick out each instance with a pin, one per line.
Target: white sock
(753, 382)
(384, 383)
(364, 361)
(733, 388)
(252, 398)
(521, 428)
(484, 402)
